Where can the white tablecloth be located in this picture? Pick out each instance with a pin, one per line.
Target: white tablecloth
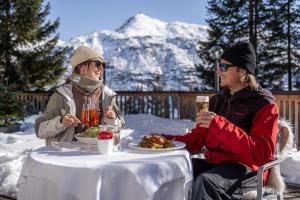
(74, 171)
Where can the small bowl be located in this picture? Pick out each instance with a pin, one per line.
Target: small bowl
(86, 140)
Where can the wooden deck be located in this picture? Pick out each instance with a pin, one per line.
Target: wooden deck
(292, 193)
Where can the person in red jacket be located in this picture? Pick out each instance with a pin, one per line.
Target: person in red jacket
(239, 131)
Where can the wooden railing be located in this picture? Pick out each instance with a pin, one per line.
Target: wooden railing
(289, 108)
(173, 105)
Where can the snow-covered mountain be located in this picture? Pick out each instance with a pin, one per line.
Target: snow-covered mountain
(145, 52)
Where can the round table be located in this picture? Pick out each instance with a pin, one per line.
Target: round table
(76, 171)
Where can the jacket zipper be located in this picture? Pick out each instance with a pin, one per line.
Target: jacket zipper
(228, 107)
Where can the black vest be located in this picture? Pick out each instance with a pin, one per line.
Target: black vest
(241, 107)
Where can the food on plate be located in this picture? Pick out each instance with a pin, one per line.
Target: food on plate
(90, 133)
(154, 141)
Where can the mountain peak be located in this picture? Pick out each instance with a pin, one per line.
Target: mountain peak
(145, 53)
(142, 25)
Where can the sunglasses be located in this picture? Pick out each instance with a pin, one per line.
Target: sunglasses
(223, 66)
(99, 64)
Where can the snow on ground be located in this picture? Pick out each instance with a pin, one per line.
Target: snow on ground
(290, 168)
(15, 147)
(13, 150)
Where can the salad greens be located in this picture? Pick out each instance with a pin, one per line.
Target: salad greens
(90, 133)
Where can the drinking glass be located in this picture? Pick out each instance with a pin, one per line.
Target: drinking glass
(202, 103)
(89, 114)
(116, 136)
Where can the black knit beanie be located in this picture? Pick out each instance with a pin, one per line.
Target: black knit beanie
(242, 55)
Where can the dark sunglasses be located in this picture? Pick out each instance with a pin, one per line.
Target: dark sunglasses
(223, 66)
(99, 64)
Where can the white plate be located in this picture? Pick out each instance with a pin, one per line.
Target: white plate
(178, 145)
(86, 140)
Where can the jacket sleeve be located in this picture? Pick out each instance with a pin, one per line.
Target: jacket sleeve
(48, 125)
(194, 140)
(254, 149)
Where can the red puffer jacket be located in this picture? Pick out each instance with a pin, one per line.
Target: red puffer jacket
(245, 129)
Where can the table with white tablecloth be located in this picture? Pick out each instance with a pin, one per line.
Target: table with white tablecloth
(76, 171)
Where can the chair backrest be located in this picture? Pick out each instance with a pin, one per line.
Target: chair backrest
(284, 143)
(285, 138)
(275, 181)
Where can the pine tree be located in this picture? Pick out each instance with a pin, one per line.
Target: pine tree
(280, 44)
(227, 24)
(10, 108)
(271, 47)
(294, 42)
(29, 57)
(272, 26)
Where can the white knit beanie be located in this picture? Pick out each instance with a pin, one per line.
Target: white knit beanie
(83, 54)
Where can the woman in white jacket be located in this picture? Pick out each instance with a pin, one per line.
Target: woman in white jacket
(63, 115)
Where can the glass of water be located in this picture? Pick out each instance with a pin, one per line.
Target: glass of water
(116, 136)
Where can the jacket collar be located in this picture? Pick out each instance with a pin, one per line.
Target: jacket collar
(247, 93)
(66, 91)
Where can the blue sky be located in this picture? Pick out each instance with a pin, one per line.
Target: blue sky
(84, 16)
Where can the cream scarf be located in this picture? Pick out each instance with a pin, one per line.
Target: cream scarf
(86, 83)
